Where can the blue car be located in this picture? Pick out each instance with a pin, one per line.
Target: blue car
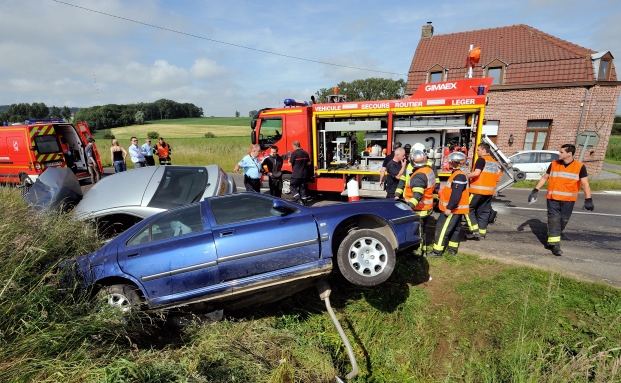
(245, 245)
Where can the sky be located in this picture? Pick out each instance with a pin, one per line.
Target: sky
(237, 56)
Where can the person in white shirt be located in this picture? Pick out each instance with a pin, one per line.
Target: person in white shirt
(137, 154)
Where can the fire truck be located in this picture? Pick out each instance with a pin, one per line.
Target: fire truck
(28, 149)
(350, 139)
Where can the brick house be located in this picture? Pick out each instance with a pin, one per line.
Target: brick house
(545, 92)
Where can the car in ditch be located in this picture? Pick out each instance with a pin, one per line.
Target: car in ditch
(243, 249)
(119, 201)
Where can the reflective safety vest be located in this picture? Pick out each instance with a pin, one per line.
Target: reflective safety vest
(163, 151)
(426, 201)
(485, 183)
(445, 196)
(564, 182)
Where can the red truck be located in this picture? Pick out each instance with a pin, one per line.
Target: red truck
(26, 150)
(350, 139)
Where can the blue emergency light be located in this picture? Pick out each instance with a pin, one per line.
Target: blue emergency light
(51, 120)
(292, 102)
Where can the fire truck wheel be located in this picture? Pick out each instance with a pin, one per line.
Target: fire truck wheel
(124, 297)
(286, 184)
(366, 258)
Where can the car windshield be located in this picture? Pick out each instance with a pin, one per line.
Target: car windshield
(180, 186)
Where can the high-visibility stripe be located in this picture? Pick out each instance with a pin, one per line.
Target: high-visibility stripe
(554, 239)
(571, 176)
(454, 245)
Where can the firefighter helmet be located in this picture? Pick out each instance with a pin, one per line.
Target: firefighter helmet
(456, 159)
(419, 146)
(419, 158)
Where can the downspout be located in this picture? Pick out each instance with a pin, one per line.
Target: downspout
(586, 95)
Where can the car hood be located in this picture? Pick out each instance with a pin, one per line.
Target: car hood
(120, 189)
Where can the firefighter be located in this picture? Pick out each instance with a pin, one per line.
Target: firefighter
(417, 189)
(483, 181)
(163, 152)
(453, 203)
(565, 176)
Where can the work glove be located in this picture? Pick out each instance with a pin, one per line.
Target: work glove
(588, 204)
(532, 198)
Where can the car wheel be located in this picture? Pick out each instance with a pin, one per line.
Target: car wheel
(519, 175)
(366, 258)
(286, 184)
(123, 297)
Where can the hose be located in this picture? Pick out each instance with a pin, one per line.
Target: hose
(324, 293)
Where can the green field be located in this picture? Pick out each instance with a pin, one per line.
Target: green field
(187, 140)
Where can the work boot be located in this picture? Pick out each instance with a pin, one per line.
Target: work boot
(556, 250)
(435, 254)
(304, 202)
(474, 236)
(452, 252)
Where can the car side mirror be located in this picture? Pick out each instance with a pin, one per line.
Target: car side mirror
(283, 207)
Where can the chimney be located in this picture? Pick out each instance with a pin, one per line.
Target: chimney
(427, 31)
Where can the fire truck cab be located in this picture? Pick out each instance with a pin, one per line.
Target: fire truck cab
(28, 149)
(350, 139)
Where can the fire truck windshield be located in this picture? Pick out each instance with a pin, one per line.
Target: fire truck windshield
(270, 131)
(47, 144)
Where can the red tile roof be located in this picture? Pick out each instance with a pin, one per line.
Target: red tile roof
(532, 56)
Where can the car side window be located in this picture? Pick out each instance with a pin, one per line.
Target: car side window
(176, 223)
(548, 157)
(241, 207)
(525, 158)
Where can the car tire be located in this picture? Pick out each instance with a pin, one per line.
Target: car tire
(366, 258)
(519, 175)
(123, 297)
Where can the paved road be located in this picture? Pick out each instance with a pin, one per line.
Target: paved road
(591, 242)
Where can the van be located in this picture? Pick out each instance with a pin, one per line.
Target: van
(27, 150)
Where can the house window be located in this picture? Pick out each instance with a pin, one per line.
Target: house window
(436, 76)
(496, 73)
(536, 134)
(604, 70)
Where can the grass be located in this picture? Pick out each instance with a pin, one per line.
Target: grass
(187, 128)
(613, 151)
(476, 321)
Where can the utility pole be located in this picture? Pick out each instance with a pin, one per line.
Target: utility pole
(97, 88)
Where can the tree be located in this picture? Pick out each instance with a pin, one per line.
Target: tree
(237, 114)
(139, 117)
(366, 90)
(253, 113)
(66, 113)
(55, 112)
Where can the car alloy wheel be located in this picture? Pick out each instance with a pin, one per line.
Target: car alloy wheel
(366, 258)
(123, 297)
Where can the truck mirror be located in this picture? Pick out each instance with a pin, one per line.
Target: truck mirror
(253, 124)
(253, 138)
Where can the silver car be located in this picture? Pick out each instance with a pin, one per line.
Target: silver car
(533, 162)
(119, 201)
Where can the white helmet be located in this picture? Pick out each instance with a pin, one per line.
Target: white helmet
(418, 146)
(456, 159)
(419, 158)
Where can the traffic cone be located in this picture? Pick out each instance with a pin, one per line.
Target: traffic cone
(353, 192)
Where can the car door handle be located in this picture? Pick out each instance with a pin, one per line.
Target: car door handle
(227, 233)
(133, 255)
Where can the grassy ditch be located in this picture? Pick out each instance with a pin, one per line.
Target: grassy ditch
(476, 321)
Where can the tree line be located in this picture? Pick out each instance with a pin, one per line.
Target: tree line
(368, 89)
(106, 116)
(18, 113)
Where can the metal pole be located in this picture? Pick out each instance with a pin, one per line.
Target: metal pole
(584, 147)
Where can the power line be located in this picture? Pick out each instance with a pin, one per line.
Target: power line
(224, 42)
